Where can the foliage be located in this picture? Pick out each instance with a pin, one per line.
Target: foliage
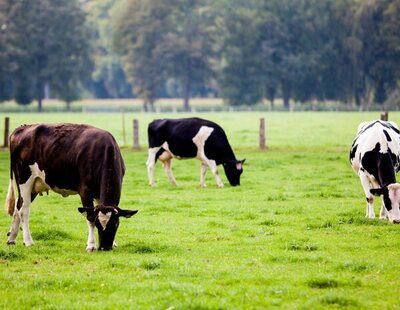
(46, 44)
(293, 235)
(165, 39)
(108, 77)
(244, 51)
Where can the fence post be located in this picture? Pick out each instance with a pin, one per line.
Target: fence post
(136, 145)
(262, 133)
(384, 116)
(6, 131)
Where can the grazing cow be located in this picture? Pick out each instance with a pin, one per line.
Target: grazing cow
(374, 155)
(68, 159)
(189, 138)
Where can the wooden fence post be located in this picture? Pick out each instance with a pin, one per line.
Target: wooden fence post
(6, 131)
(384, 116)
(136, 145)
(262, 133)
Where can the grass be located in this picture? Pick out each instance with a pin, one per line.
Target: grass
(293, 235)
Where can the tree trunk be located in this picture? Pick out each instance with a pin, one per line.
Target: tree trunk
(39, 95)
(186, 95)
(40, 106)
(286, 95)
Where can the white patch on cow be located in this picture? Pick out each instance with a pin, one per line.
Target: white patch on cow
(151, 162)
(37, 180)
(394, 196)
(200, 140)
(168, 152)
(104, 219)
(91, 242)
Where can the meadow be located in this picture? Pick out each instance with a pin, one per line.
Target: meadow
(292, 236)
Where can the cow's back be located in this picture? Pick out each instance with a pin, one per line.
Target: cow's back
(372, 135)
(68, 153)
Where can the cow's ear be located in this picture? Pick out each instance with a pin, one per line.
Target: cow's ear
(239, 164)
(376, 191)
(87, 212)
(127, 213)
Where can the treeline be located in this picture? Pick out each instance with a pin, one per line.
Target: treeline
(242, 51)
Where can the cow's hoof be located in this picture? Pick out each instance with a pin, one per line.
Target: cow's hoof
(221, 186)
(28, 244)
(90, 249)
(10, 242)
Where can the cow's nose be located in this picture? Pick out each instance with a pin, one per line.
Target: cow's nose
(396, 221)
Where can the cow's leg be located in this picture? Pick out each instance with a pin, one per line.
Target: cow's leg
(366, 184)
(151, 162)
(26, 190)
(203, 170)
(383, 214)
(168, 170)
(214, 169)
(87, 202)
(91, 242)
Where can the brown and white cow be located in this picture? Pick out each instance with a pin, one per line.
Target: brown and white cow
(68, 159)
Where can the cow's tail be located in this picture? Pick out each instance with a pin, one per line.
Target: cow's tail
(10, 200)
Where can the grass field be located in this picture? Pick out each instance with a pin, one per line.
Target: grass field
(292, 236)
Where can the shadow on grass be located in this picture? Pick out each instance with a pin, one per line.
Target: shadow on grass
(143, 248)
(10, 255)
(52, 234)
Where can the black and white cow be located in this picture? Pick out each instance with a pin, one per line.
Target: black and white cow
(68, 159)
(192, 138)
(374, 155)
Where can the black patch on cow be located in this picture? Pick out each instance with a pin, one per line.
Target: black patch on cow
(388, 138)
(353, 151)
(379, 165)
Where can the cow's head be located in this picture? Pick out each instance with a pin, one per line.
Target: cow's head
(106, 219)
(233, 170)
(391, 199)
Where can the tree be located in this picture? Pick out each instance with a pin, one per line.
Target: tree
(378, 58)
(49, 46)
(139, 28)
(108, 77)
(188, 47)
(164, 40)
(241, 73)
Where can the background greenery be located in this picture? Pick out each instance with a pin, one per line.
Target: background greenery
(293, 235)
(242, 51)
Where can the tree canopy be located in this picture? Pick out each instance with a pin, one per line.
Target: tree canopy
(243, 51)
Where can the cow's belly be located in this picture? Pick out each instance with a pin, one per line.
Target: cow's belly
(172, 152)
(39, 185)
(64, 192)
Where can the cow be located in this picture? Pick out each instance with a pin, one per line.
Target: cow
(374, 155)
(192, 138)
(68, 159)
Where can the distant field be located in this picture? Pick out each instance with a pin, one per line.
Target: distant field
(293, 235)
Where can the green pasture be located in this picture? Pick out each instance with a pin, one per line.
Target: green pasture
(292, 236)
